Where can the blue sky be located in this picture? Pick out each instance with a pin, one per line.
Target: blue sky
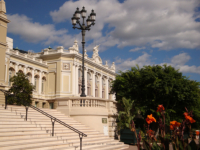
(143, 32)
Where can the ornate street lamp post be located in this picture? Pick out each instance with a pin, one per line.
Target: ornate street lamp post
(90, 21)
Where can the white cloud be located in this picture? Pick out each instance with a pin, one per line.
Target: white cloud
(162, 24)
(32, 31)
(180, 59)
(177, 61)
(137, 49)
(128, 63)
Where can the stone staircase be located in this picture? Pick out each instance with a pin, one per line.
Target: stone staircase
(36, 132)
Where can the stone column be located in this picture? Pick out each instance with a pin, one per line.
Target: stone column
(40, 83)
(85, 73)
(93, 84)
(25, 69)
(100, 86)
(106, 90)
(16, 68)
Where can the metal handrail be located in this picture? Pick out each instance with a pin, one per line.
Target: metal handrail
(59, 121)
(53, 120)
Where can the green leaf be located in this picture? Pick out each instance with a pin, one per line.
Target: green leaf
(155, 146)
(146, 145)
(192, 145)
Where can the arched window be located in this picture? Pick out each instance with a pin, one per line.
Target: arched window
(96, 86)
(20, 71)
(79, 80)
(88, 84)
(10, 75)
(43, 84)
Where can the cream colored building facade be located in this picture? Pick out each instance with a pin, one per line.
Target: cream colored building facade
(56, 74)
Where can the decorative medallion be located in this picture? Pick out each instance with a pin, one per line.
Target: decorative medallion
(66, 66)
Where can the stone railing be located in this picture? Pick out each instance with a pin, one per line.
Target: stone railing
(88, 103)
(85, 105)
(27, 56)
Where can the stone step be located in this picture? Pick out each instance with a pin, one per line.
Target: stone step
(57, 133)
(31, 145)
(19, 136)
(85, 146)
(19, 142)
(22, 107)
(35, 133)
(89, 146)
(21, 122)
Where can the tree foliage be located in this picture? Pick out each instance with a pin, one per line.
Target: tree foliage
(125, 117)
(20, 91)
(151, 86)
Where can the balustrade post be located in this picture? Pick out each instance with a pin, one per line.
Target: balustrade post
(26, 112)
(5, 102)
(81, 136)
(53, 122)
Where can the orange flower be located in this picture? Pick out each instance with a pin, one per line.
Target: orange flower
(150, 119)
(160, 108)
(197, 132)
(190, 119)
(174, 124)
(171, 127)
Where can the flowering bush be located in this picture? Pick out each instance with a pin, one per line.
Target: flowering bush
(177, 130)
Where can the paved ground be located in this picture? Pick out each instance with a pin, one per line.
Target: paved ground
(131, 147)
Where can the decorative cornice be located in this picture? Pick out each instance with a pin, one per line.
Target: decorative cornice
(28, 60)
(34, 68)
(4, 19)
(4, 44)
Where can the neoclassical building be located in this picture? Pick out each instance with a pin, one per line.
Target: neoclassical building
(56, 74)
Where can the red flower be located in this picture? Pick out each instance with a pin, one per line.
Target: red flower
(160, 108)
(150, 132)
(190, 119)
(174, 124)
(185, 114)
(150, 119)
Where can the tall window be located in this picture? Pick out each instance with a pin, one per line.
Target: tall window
(36, 82)
(79, 80)
(109, 96)
(43, 84)
(20, 71)
(96, 86)
(11, 73)
(103, 88)
(88, 84)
